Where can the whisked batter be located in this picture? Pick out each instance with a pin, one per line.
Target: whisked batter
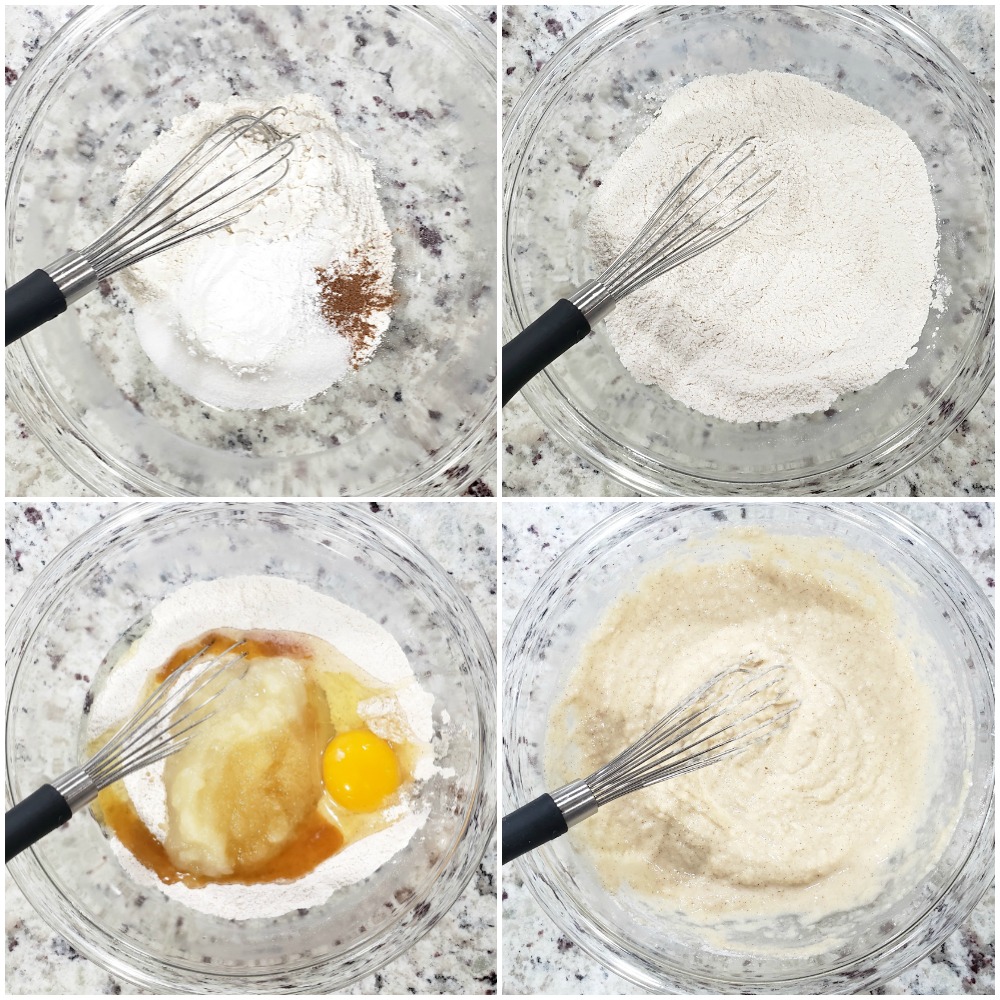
(821, 819)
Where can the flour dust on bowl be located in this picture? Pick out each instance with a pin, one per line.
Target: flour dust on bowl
(826, 859)
(399, 104)
(717, 377)
(383, 812)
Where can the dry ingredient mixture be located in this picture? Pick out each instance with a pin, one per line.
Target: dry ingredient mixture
(306, 780)
(825, 291)
(289, 299)
(831, 812)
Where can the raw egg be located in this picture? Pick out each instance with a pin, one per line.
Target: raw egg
(360, 770)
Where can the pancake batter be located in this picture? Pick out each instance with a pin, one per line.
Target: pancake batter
(818, 820)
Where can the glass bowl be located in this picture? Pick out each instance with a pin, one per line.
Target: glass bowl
(110, 578)
(415, 88)
(603, 88)
(545, 643)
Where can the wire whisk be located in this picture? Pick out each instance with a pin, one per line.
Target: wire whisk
(719, 195)
(735, 710)
(221, 179)
(160, 727)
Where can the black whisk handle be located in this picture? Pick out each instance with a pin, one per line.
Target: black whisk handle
(540, 821)
(540, 343)
(34, 300)
(32, 818)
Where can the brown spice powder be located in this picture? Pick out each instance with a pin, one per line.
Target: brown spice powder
(348, 297)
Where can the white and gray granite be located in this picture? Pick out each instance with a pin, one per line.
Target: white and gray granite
(537, 959)
(458, 955)
(538, 463)
(435, 160)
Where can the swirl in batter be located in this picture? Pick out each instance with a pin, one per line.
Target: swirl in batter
(821, 819)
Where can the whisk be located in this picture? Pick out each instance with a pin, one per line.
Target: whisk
(715, 198)
(732, 712)
(211, 187)
(162, 725)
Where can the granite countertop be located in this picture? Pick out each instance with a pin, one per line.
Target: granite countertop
(433, 206)
(537, 959)
(537, 462)
(458, 955)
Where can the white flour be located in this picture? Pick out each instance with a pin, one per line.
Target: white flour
(825, 291)
(272, 603)
(234, 317)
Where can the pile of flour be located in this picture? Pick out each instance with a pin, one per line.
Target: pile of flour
(825, 291)
(272, 603)
(235, 317)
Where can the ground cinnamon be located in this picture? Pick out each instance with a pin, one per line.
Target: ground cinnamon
(349, 295)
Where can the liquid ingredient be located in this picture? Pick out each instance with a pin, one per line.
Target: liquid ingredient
(825, 291)
(315, 840)
(245, 798)
(360, 770)
(821, 819)
(346, 672)
(239, 792)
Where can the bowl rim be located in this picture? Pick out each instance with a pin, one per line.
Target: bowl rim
(448, 473)
(474, 833)
(573, 921)
(853, 473)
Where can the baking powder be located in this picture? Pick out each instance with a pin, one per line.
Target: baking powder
(826, 290)
(243, 318)
(274, 604)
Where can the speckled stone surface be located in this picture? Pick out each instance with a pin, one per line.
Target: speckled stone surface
(537, 959)
(458, 955)
(430, 136)
(536, 462)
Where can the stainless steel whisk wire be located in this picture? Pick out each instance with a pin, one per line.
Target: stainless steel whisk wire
(163, 725)
(711, 202)
(733, 711)
(676, 229)
(123, 245)
(217, 182)
(664, 751)
(154, 731)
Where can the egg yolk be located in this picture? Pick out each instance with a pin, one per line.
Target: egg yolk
(360, 770)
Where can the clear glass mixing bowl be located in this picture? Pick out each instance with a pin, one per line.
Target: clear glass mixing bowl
(586, 106)
(931, 589)
(415, 88)
(112, 577)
